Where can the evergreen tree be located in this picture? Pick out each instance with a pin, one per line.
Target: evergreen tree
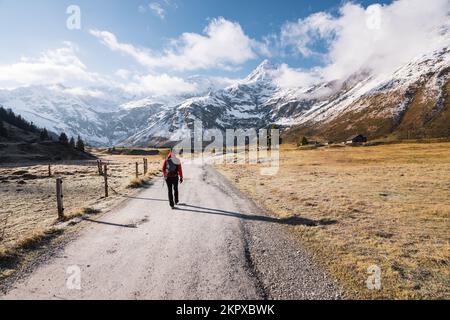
(16, 120)
(3, 131)
(305, 141)
(72, 142)
(80, 144)
(8, 116)
(44, 135)
(63, 139)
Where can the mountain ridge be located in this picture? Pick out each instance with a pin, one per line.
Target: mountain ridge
(410, 102)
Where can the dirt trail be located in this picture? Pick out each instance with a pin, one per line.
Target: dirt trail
(216, 245)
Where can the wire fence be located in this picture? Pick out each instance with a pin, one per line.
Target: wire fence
(29, 197)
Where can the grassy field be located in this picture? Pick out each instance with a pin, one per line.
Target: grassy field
(384, 205)
(28, 213)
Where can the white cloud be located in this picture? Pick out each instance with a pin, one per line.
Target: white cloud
(223, 45)
(123, 74)
(85, 92)
(157, 9)
(142, 56)
(63, 66)
(378, 38)
(53, 66)
(222, 82)
(159, 85)
(287, 77)
(166, 85)
(304, 34)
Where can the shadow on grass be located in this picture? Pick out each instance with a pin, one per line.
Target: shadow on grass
(13, 258)
(293, 221)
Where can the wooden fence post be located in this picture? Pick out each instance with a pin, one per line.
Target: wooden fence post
(145, 166)
(137, 170)
(105, 174)
(49, 170)
(59, 198)
(100, 165)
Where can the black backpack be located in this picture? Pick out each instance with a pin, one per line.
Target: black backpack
(172, 168)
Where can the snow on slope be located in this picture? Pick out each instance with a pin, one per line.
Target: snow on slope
(55, 110)
(402, 78)
(107, 117)
(235, 106)
(102, 116)
(257, 101)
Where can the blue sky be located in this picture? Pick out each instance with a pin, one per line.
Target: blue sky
(29, 28)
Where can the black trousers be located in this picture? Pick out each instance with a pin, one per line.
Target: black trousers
(172, 185)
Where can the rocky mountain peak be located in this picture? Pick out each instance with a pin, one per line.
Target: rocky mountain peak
(263, 72)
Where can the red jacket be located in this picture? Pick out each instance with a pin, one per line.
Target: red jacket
(177, 162)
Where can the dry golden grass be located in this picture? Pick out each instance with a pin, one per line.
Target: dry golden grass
(28, 212)
(80, 212)
(136, 183)
(142, 181)
(389, 206)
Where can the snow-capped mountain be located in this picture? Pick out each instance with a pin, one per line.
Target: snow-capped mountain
(405, 102)
(413, 102)
(56, 109)
(102, 116)
(240, 105)
(410, 102)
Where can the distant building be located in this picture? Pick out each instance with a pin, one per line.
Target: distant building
(357, 139)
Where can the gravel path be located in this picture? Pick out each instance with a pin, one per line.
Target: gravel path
(216, 245)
